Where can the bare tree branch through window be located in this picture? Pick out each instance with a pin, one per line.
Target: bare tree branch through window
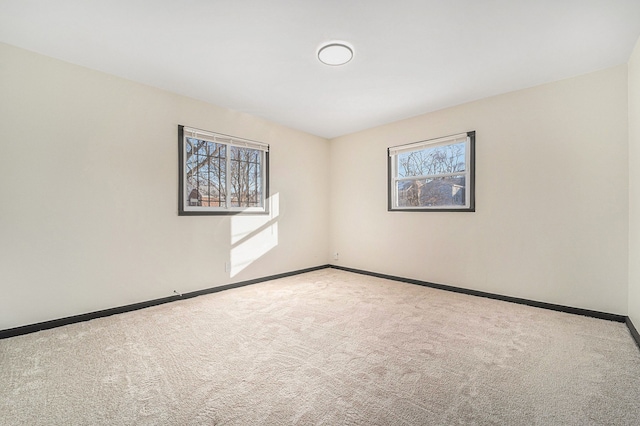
(222, 175)
(434, 175)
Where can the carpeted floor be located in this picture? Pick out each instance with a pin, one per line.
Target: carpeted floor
(327, 347)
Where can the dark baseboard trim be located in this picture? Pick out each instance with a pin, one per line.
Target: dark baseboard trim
(560, 308)
(32, 328)
(634, 331)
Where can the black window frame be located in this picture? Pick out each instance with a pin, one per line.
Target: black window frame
(229, 141)
(468, 207)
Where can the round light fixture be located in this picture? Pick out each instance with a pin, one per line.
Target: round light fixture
(335, 53)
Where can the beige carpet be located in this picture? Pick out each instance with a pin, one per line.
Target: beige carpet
(327, 347)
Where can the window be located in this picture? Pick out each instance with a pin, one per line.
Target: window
(221, 174)
(433, 175)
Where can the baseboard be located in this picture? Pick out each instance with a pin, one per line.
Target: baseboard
(32, 328)
(634, 331)
(560, 308)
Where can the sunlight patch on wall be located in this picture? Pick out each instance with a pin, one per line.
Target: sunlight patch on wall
(252, 236)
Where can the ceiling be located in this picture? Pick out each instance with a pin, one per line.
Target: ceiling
(259, 56)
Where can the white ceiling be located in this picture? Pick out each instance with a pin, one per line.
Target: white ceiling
(259, 56)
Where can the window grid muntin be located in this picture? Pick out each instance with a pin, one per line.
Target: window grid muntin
(253, 167)
(259, 181)
(207, 158)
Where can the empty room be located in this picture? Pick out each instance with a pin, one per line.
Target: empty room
(319, 212)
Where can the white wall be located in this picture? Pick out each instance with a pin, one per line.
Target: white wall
(551, 221)
(88, 190)
(634, 186)
(88, 183)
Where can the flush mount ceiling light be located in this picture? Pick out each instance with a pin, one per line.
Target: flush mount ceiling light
(335, 53)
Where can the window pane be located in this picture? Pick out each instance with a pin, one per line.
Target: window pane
(205, 173)
(432, 161)
(437, 192)
(246, 177)
(221, 174)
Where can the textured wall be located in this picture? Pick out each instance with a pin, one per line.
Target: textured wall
(551, 220)
(634, 186)
(88, 183)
